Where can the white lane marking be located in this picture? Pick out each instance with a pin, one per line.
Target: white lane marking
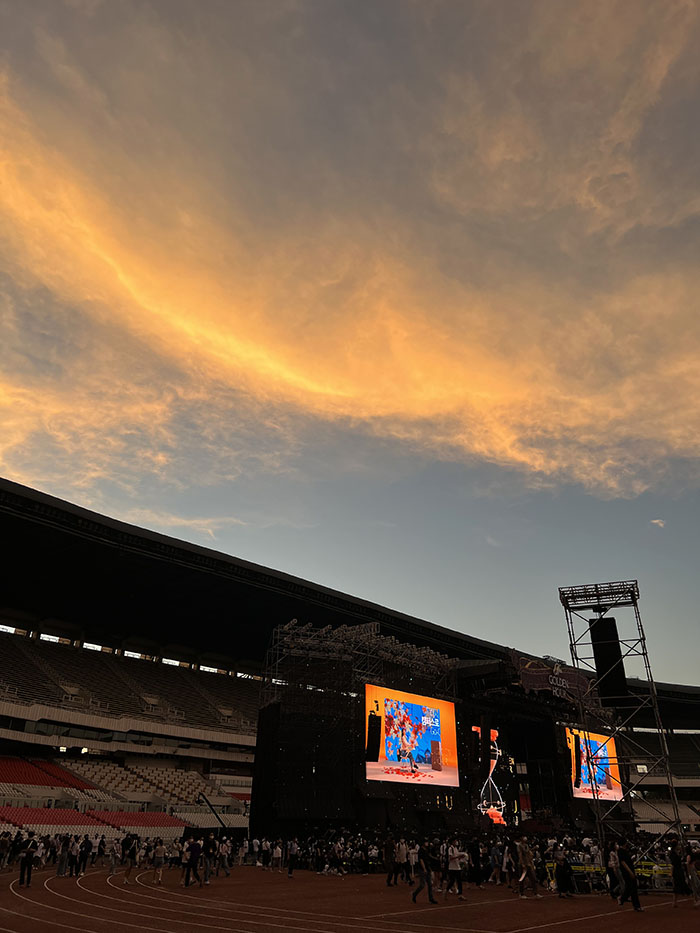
(338, 918)
(609, 913)
(434, 909)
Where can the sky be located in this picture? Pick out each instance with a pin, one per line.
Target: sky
(398, 297)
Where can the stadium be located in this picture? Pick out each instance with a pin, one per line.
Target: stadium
(153, 687)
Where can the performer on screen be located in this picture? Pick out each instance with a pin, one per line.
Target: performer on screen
(405, 751)
(492, 803)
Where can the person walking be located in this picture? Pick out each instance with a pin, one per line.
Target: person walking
(424, 872)
(692, 864)
(680, 886)
(277, 856)
(210, 851)
(563, 875)
(292, 855)
(115, 856)
(158, 862)
(194, 850)
(84, 855)
(222, 862)
(73, 856)
(131, 853)
(527, 867)
(631, 891)
(455, 859)
(26, 859)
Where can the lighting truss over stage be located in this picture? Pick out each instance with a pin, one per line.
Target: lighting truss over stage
(617, 716)
(599, 596)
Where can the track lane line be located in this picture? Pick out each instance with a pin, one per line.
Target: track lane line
(340, 920)
(611, 913)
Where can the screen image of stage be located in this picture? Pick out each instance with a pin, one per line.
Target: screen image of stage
(409, 738)
(593, 762)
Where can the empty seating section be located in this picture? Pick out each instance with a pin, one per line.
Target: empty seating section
(113, 778)
(45, 816)
(144, 824)
(240, 694)
(92, 672)
(204, 819)
(174, 689)
(93, 796)
(16, 771)
(60, 777)
(104, 684)
(144, 820)
(25, 680)
(179, 786)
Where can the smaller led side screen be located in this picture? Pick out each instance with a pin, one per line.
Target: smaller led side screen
(595, 772)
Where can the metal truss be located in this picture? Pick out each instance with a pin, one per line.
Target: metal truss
(623, 716)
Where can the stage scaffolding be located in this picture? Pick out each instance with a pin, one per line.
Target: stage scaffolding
(342, 660)
(310, 759)
(632, 719)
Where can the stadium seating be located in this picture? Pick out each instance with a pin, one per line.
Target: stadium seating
(204, 819)
(112, 685)
(114, 778)
(179, 786)
(60, 777)
(45, 820)
(144, 824)
(16, 771)
(27, 682)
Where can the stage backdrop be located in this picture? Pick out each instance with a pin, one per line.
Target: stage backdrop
(602, 768)
(410, 738)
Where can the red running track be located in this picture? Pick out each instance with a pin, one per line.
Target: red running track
(252, 901)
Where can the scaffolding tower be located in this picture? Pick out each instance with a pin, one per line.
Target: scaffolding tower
(635, 745)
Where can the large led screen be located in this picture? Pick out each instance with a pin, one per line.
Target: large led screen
(595, 772)
(409, 738)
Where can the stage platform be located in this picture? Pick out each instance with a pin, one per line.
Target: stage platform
(424, 776)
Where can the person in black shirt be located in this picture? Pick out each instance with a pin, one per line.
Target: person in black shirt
(26, 859)
(85, 850)
(209, 850)
(631, 891)
(680, 887)
(425, 872)
(195, 851)
(130, 855)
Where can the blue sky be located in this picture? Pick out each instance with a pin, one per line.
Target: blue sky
(398, 297)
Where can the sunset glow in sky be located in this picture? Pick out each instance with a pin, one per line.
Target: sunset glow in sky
(400, 297)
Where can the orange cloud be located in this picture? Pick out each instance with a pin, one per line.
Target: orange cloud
(355, 317)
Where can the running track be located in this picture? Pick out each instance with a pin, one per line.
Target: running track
(251, 901)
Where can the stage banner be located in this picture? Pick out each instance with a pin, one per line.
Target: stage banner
(538, 675)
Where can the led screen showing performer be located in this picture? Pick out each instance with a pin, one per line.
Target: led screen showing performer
(595, 772)
(490, 800)
(410, 738)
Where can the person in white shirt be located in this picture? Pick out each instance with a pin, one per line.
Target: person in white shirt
(222, 858)
(455, 859)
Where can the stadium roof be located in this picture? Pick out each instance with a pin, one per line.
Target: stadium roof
(84, 575)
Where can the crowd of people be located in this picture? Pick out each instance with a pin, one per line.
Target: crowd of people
(73, 855)
(563, 864)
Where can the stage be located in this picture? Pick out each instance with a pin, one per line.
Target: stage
(423, 777)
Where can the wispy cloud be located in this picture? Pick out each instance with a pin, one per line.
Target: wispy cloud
(659, 522)
(475, 256)
(207, 526)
